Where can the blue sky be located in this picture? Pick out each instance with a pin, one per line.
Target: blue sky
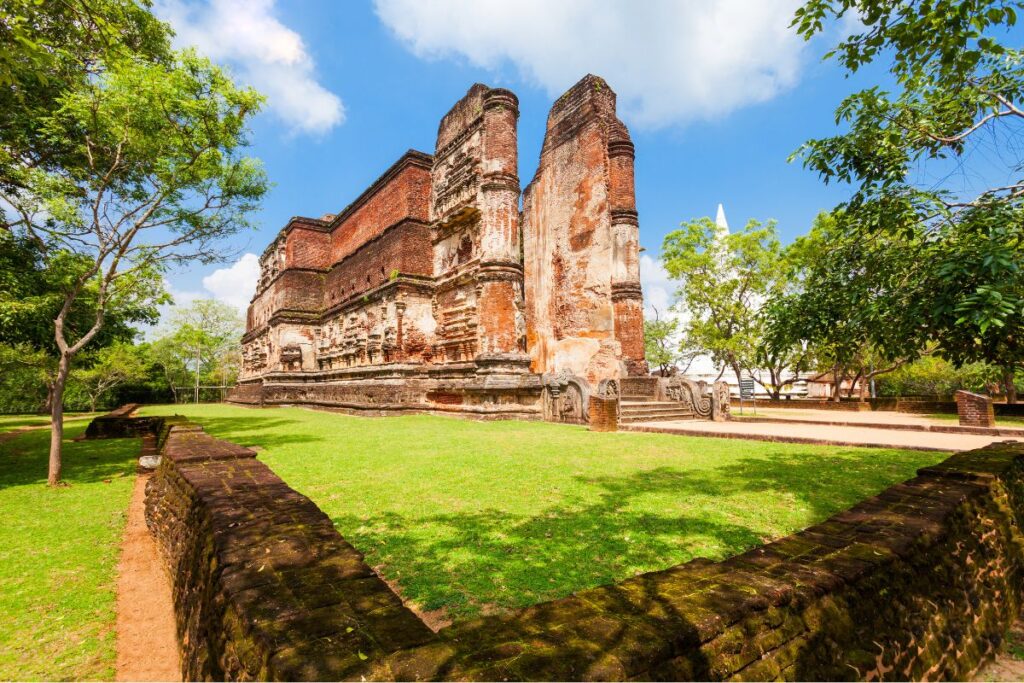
(716, 95)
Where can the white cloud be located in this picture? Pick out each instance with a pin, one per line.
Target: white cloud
(181, 297)
(264, 52)
(235, 284)
(659, 290)
(670, 61)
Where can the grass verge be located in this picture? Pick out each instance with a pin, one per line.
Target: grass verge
(58, 555)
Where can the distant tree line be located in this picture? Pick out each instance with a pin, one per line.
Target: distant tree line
(196, 346)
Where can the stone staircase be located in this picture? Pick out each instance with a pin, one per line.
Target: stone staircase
(631, 410)
(639, 403)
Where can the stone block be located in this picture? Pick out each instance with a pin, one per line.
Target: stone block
(975, 410)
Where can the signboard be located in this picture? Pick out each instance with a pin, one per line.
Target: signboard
(746, 388)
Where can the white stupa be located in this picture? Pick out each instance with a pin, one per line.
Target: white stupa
(721, 222)
(702, 367)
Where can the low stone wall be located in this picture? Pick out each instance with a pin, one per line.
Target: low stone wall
(920, 581)
(975, 410)
(119, 423)
(263, 585)
(801, 403)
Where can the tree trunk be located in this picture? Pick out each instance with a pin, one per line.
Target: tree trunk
(48, 405)
(1008, 386)
(57, 420)
(197, 376)
(837, 385)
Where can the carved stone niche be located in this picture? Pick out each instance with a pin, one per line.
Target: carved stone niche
(608, 389)
(291, 357)
(565, 398)
(720, 402)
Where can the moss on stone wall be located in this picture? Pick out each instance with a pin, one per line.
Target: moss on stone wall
(920, 581)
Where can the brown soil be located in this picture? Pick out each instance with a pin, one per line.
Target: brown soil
(147, 647)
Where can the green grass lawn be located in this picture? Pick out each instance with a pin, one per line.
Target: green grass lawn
(1001, 421)
(480, 516)
(58, 555)
(9, 423)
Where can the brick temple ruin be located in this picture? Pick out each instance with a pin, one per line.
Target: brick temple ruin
(432, 291)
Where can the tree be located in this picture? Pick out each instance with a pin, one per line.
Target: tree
(725, 278)
(51, 48)
(162, 182)
(955, 115)
(663, 346)
(847, 303)
(32, 289)
(113, 366)
(206, 335)
(24, 378)
(166, 354)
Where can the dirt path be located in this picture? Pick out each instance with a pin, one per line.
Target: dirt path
(147, 647)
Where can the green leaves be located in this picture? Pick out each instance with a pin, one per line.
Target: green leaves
(946, 258)
(724, 278)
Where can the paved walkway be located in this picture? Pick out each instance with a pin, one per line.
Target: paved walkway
(864, 417)
(823, 434)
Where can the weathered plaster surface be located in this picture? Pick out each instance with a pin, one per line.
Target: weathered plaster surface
(429, 275)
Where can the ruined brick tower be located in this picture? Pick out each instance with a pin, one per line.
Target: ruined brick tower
(430, 292)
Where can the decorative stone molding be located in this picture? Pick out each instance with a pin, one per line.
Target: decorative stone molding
(690, 394)
(565, 398)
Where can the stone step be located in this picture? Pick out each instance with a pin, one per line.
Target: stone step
(660, 417)
(649, 411)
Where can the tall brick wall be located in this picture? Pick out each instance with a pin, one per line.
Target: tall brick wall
(307, 246)
(580, 235)
(474, 213)
(446, 227)
(403, 249)
(920, 581)
(402, 192)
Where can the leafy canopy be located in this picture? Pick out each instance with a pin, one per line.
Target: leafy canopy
(724, 278)
(955, 115)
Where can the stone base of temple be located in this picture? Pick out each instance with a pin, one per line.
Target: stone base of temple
(497, 389)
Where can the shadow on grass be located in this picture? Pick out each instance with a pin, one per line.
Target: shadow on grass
(473, 562)
(24, 458)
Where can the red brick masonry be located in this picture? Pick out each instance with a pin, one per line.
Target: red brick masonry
(920, 581)
(604, 414)
(975, 410)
